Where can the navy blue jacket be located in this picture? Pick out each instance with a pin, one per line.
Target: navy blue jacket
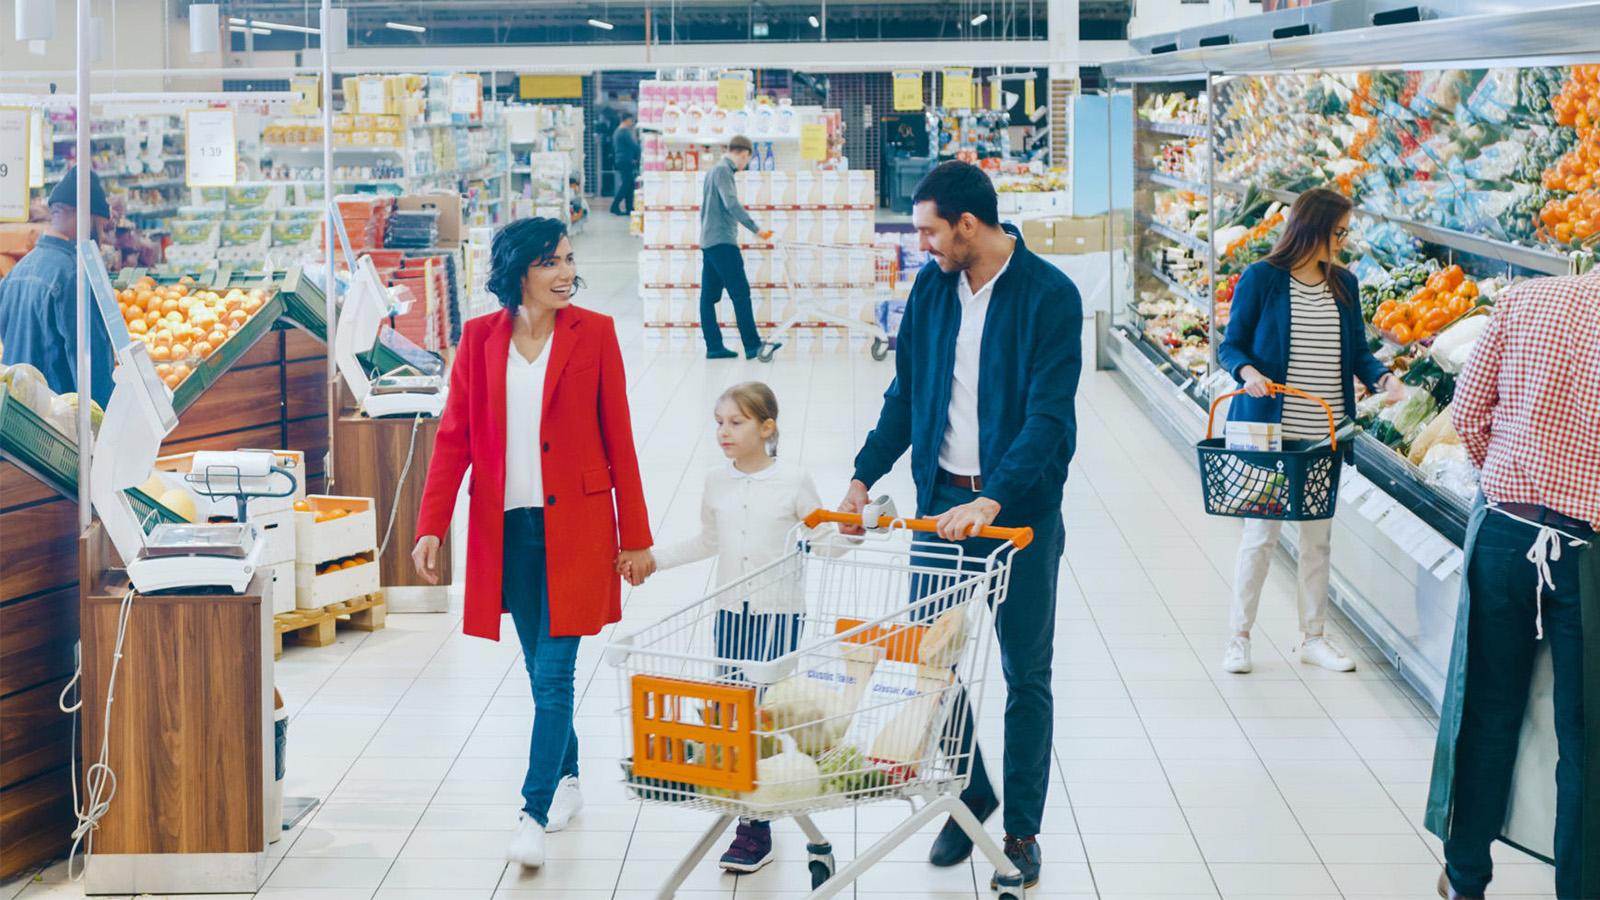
(1258, 335)
(1032, 353)
(39, 320)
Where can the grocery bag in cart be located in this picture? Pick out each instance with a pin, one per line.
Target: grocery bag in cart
(1298, 483)
(867, 696)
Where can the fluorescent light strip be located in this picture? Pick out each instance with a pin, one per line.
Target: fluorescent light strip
(401, 26)
(599, 24)
(980, 18)
(273, 26)
(813, 21)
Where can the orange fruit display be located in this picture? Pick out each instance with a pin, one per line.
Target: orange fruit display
(1447, 295)
(182, 325)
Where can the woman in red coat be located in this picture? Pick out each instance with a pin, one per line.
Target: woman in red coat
(538, 409)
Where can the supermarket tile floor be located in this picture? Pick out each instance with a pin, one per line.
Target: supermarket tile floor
(1171, 778)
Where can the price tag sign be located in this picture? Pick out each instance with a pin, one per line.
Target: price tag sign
(309, 87)
(907, 90)
(466, 91)
(814, 142)
(732, 91)
(15, 153)
(958, 88)
(1029, 102)
(41, 149)
(213, 154)
(372, 98)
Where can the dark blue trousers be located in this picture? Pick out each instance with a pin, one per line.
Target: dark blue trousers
(1026, 626)
(722, 267)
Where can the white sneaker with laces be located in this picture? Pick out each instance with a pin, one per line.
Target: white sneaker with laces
(1236, 658)
(1319, 651)
(527, 848)
(567, 802)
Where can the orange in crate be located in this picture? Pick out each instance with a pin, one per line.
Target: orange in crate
(728, 734)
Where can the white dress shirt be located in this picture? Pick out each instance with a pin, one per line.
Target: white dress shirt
(958, 455)
(524, 407)
(745, 519)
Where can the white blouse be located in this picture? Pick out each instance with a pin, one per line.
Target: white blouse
(745, 520)
(524, 406)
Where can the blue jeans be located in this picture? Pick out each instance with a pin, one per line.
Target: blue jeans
(551, 661)
(722, 267)
(1500, 652)
(1026, 627)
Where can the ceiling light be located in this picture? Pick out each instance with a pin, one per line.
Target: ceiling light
(599, 24)
(401, 26)
(813, 21)
(980, 18)
(272, 26)
(36, 20)
(240, 29)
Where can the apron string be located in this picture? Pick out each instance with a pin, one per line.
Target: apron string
(1546, 548)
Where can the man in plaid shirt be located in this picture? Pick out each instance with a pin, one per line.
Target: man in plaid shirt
(1527, 408)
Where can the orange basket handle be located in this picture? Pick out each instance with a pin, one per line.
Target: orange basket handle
(1021, 537)
(1275, 388)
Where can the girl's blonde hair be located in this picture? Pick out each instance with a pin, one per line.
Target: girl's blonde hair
(757, 401)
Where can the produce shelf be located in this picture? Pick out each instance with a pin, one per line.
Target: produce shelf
(1181, 378)
(1173, 181)
(1174, 235)
(1178, 290)
(1397, 477)
(211, 368)
(1178, 128)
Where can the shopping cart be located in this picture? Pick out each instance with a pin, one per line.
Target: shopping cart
(1297, 483)
(868, 696)
(802, 295)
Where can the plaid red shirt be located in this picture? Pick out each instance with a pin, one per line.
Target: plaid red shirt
(1527, 405)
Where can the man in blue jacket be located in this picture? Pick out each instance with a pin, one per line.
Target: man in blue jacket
(986, 370)
(39, 299)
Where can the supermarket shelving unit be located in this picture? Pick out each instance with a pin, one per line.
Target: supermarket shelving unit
(1397, 562)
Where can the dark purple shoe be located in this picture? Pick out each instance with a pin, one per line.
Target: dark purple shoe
(751, 848)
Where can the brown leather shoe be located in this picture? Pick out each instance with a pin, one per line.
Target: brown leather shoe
(1448, 891)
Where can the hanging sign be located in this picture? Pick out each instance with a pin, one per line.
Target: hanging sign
(549, 87)
(957, 88)
(372, 97)
(732, 91)
(466, 92)
(15, 153)
(814, 142)
(41, 148)
(1029, 102)
(907, 90)
(210, 147)
(309, 87)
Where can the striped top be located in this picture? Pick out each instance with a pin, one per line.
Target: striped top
(1316, 360)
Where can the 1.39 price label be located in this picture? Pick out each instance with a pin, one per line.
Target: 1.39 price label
(212, 149)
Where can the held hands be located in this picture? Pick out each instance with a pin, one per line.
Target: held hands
(959, 523)
(636, 565)
(855, 500)
(425, 556)
(1255, 383)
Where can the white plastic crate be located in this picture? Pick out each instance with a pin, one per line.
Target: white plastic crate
(350, 535)
(313, 591)
(284, 593)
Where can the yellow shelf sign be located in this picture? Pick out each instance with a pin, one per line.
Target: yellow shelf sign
(814, 142)
(907, 90)
(309, 87)
(549, 87)
(958, 88)
(732, 90)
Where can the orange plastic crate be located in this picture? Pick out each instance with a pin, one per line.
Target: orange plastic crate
(726, 735)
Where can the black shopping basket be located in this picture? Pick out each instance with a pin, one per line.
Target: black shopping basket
(1295, 484)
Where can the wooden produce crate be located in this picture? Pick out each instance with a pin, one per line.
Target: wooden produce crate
(319, 627)
(351, 535)
(334, 587)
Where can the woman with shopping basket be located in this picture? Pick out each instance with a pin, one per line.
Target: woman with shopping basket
(538, 409)
(1296, 343)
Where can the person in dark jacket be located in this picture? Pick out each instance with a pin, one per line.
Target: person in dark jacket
(39, 299)
(1297, 321)
(625, 157)
(988, 314)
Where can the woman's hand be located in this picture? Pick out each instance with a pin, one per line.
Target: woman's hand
(636, 565)
(425, 556)
(1396, 388)
(1255, 383)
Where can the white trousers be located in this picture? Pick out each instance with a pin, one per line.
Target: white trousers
(1255, 557)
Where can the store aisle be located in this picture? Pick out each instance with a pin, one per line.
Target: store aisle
(1172, 779)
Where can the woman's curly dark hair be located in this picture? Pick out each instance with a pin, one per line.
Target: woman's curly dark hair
(516, 247)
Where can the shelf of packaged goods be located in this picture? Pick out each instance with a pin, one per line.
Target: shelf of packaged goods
(1170, 389)
(1231, 187)
(1397, 477)
(1181, 129)
(434, 126)
(153, 211)
(1174, 235)
(316, 149)
(72, 136)
(1545, 262)
(1178, 290)
(1173, 181)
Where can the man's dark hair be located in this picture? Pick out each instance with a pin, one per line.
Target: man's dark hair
(956, 187)
(516, 247)
(628, 117)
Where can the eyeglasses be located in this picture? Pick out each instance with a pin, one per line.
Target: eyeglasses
(1341, 233)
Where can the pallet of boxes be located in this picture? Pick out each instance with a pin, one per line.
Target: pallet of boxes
(335, 572)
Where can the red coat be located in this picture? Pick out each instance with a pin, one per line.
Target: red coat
(593, 494)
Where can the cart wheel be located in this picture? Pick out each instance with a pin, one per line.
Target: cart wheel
(766, 352)
(820, 862)
(1010, 888)
(880, 350)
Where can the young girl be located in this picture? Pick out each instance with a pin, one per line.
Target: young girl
(747, 510)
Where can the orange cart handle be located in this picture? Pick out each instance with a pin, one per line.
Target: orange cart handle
(1275, 388)
(1021, 537)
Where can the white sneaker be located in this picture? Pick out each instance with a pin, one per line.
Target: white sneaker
(1319, 651)
(1236, 658)
(567, 803)
(527, 848)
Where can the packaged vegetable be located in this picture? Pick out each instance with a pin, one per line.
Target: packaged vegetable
(846, 770)
(27, 386)
(786, 777)
(1409, 415)
(1453, 347)
(1438, 431)
(941, 647)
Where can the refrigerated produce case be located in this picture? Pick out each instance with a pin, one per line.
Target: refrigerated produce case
(1461, 143)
